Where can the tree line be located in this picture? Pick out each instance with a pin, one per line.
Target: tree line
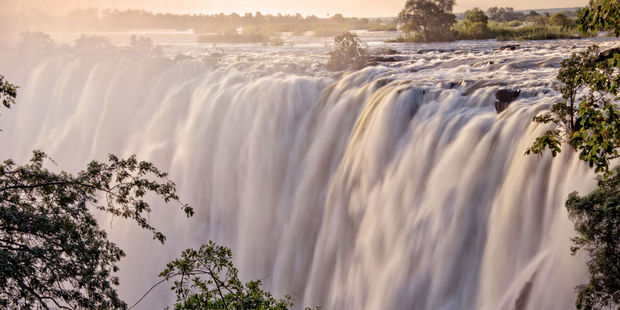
(433, 20)
(127, 20)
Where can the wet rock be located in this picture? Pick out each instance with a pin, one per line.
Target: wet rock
(507, 95)
(382, 82)
(524, 293)
(604, 55)
(385, 51)
(383, 59)
(524, 296)
(504, 97)
(500, 106)
(511, 47)
(378, 60)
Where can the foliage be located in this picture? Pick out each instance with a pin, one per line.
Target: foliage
(561, 20)
(53, 254)
(597, 220)
(52, 251)
(428, 20)
(251, 34)
(93, 43)
(348, 51)
(533, 13)
(144, 46)
(505, 32)
(589, 123)
(207, 279)
(514, 23)
(476, 15)
(600, 15)
(504, 14)
(8, 93)
(539, 20)
(95, 20)
(475, 25)
(35, 42)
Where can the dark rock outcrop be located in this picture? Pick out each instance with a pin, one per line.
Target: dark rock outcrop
(511, 47)
(504, 98)
(607, 54)
(524, 296)
(500, 106)
(507, 95)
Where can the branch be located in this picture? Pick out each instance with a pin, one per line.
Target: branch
(147, 292)
(59, 183)
(217, 285)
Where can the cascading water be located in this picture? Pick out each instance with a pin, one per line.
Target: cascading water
(394, 187)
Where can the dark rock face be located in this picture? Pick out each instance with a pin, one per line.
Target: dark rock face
(608, 54)
(504, 98)
(524, 295)
(507, 95)
(511, 47)
(500, 106)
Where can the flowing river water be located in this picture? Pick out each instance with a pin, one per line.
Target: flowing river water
(394, 187)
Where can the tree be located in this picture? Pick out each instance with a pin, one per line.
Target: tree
(502, 14)
(540, 20)
(35, 42)
(533, 14)
(53, 254)
(429, 20)
(338, 18)
(559, 19)
(600, 15)
(476, 15)
(144, 46)
(597, 221)
(475, 24)
(207, 279)
(590, 124)
(348, 51)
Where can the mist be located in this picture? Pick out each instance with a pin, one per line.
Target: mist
(321, 8)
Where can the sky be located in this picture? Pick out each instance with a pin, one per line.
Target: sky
(358, 8)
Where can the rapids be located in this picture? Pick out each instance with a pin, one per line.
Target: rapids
(393, 187)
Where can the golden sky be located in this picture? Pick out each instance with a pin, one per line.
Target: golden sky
(360, 8)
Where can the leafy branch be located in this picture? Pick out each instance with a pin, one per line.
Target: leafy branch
(207, 279)
(52, 252)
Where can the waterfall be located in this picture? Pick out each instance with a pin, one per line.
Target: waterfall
(394, 187)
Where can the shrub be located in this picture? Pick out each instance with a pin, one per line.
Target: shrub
(561, 20)
(514, 23)
(427, 20)
(347, 52)
(474, 26)
(596, 217)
